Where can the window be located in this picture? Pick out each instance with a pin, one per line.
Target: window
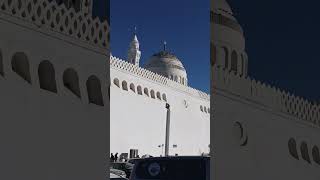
(132, 87)
(20, 65)
(164, 97)
(226, 57)
(201, 108)
(139, 89)
(125, 85)
(159, 95)
(94, 91)
(152, 94)
(47, 77)
(316, 155)
(292, 145)
(146, 92)
(116, 82)
(234, 61)
(305, 152)
(71, 81)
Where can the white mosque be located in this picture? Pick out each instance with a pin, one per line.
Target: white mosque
(138, 98)
(55, 93)
(258, 131)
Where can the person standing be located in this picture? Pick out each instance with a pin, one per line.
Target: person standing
(112, 158)
(116, 157)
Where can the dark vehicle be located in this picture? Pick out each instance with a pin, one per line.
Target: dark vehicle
(172, 168)
(123, 166)
(133, 160)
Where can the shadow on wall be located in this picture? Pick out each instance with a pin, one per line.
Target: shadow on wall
(46, 74)
(304, 151)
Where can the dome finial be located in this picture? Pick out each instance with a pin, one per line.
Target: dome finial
(164, 45)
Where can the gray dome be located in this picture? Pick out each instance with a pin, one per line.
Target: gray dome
(168, 65)
(222, 6)
(226, 28)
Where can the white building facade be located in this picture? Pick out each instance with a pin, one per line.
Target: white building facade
(54, 92)
(138, 97)
(259, 131)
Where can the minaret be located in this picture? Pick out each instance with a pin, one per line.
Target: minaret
(134, 53)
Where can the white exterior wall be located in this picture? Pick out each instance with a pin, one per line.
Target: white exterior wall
(138, 121)
(47, 135)
(266, 155)
(269, 118)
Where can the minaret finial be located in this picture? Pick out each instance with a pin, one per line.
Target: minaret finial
(164, 45)
(135, 30)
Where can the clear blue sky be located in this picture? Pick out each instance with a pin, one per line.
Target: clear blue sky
(184, 24)
(283, 43)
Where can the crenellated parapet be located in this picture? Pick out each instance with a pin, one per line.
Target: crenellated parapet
(57, 20)
(138, 71)
(266, 95)
(124, 65)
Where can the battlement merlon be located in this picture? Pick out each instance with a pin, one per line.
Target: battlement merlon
(56, 20)
(266, 95)
(144, 73)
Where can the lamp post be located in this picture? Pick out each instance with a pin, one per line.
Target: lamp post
(166, 148)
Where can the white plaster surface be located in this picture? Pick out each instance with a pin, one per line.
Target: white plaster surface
(47, 135)
(138, 121)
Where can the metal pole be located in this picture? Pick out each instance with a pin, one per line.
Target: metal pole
(166, 152)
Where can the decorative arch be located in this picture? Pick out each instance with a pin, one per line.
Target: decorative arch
(116, 82)
(146, 91)
(316, 155)
(164, 97)
(139, 89)
(159, 95)
(47, 76)
(225, 56)
(125, 85)
(234, 61)
(292, 145)
(1, 64)
(305, 152)
(94, 91)
(20, 65)
(152, 94)
(71, 81)
(132, 87)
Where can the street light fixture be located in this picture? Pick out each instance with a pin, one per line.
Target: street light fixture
(166, 149)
